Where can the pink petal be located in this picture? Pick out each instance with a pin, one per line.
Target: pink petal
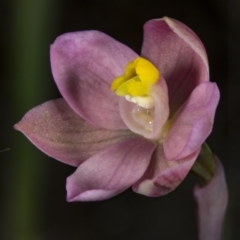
(212, 202)
(60, 133)
(83, 65)
(159, 93)
(163, 176)
(111, 171)
(178, 54)
(192, 123)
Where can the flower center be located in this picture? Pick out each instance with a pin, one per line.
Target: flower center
(136, 82)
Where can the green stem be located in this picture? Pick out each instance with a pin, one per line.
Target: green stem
(28, 86)
(204, 166)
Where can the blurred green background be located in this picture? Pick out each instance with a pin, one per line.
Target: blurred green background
(33, 205)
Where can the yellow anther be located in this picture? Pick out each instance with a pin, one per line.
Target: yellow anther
(146, 71)
(139, 75)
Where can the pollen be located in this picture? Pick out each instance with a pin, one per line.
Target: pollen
(136, 82)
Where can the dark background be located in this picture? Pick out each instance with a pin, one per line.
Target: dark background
(33, 205)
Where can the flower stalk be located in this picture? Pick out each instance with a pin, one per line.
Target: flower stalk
(205, 165)
(211, 195)
(28, 85)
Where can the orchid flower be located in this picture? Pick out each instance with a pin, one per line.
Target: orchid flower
(126, 120)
